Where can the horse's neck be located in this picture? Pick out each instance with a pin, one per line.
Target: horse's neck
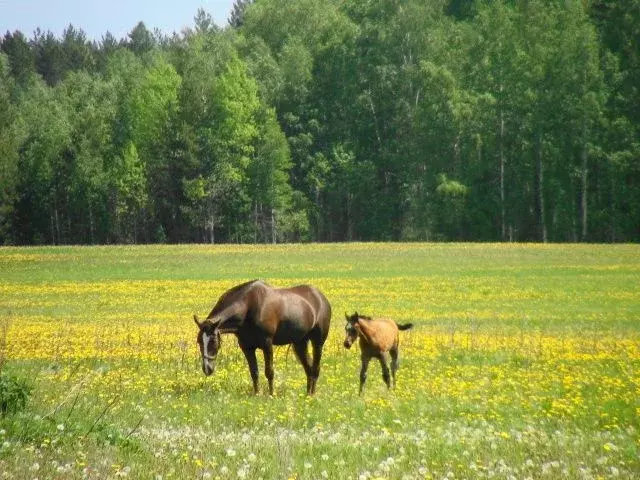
(365, 331)
(230, 317)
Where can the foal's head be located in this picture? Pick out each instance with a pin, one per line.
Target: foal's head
(351, 333)
(209, 343)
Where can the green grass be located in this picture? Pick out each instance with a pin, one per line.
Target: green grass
(523, 364)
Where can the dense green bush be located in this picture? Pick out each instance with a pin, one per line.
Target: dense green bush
(14, 393)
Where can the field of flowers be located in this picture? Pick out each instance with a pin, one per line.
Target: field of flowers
(524, 363)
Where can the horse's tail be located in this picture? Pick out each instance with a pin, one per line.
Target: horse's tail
(404, 326)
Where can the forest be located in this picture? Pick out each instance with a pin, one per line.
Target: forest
(329, 120)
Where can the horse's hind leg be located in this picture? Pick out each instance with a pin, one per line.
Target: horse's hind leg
(268, 365)
(385, 369)
(394, 364)
(315, 368)
(301, 352)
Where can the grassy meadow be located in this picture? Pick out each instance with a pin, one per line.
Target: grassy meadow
(524, 364)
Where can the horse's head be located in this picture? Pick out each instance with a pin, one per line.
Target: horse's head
(351, 333)
(209, 343)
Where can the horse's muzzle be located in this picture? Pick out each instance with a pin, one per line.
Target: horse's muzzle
(347, 344)
(208, 368)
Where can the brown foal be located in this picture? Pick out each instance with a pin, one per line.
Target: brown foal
(378, 338)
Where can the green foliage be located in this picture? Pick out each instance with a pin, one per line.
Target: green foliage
(10, 137)
(14, 393)
(129, 189)
(334, 116)
(153, 100)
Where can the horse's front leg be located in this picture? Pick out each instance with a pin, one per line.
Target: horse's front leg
(268, 364)
(250, 355)
(364, 357)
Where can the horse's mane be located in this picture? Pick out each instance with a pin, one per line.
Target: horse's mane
(364, 317)
(231, 296)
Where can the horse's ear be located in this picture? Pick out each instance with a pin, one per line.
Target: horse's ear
(195, 319)
(346, 315)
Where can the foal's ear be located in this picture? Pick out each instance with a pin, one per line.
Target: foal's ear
(195, 319)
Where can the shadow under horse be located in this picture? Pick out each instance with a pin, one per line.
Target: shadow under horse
(378, 338)
(261, 316)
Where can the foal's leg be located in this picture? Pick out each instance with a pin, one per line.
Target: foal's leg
(394, 363)
(364, 357)
(268, 364)
(302, 353)
(385, 369)
(250, 355)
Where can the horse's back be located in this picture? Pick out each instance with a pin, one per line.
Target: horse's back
(387, 324)
(382, 332)
(319, 303)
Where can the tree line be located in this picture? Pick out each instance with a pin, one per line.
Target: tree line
(329, 120)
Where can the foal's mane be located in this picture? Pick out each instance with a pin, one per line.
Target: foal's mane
(364, 317)
(231, 296)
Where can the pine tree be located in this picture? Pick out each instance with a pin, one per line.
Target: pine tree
(21, 58)
(236, 18)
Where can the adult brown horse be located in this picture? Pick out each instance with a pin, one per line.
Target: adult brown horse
(261, 316)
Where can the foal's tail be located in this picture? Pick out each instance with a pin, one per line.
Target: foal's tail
(404, 326)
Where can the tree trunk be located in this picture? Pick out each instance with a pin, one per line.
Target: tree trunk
(53, 230)
(349, 222)
(57, 217)
(584, 180)
(91, 226)
(612, 209)
(212, 238)
(502, 199)
(256, 225)
(375, 120)
(55, 223)
(540, 200)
